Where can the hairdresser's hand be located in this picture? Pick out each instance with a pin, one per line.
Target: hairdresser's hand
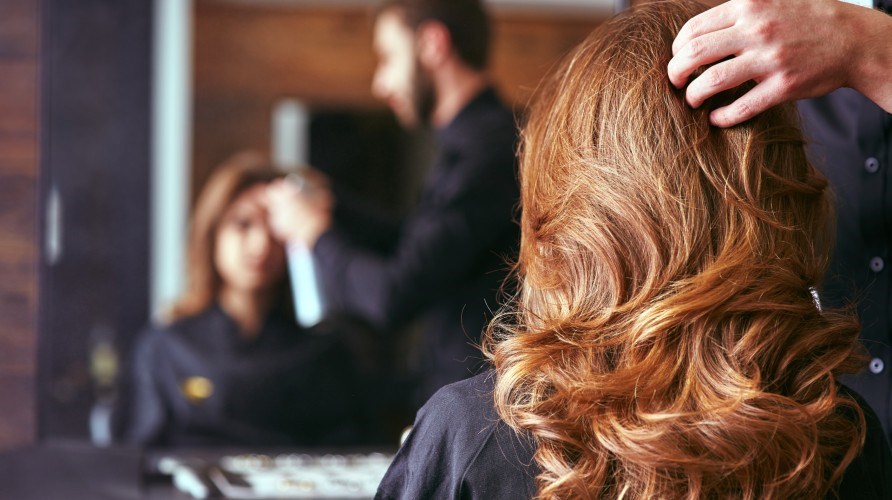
(300, 213)
(793, 49)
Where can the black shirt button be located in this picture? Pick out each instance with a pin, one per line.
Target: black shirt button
(877, 264)
(872, 165)
(876, 366)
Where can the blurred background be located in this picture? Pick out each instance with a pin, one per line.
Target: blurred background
(113, 114)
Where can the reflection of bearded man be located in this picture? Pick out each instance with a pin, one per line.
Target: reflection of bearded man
(442, 263)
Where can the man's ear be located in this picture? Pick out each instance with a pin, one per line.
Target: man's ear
(434, 43)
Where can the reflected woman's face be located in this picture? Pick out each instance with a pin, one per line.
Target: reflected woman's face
(247, 257)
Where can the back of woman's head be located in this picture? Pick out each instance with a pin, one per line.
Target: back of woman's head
(229, 180)
(664, 342)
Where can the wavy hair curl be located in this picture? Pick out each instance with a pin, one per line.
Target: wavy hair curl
(663, 342)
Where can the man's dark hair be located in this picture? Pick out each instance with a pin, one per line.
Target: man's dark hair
(466, 21)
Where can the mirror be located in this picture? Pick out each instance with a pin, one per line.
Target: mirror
(125, 151)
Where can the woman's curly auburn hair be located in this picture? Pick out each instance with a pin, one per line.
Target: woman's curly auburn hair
(663, 342)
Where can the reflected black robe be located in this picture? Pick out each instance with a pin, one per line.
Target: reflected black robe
(285, 387)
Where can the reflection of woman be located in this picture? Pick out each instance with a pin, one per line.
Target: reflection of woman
(664, 343)
(232, 367)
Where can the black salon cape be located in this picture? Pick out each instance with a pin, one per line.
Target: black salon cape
(285, 387)
(459, 448)
(445, 262)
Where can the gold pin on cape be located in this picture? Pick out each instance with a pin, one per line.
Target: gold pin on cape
(197, 389)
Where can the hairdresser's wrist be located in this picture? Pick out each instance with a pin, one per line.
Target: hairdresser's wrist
(871, 69)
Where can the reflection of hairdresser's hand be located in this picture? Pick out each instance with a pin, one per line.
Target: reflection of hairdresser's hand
(300, 213)
(793, 49)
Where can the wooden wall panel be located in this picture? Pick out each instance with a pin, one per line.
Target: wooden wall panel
(321, 54)
(19, 28)
(248, 56)
(527, 44)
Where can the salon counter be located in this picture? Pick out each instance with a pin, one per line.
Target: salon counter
(80, 471)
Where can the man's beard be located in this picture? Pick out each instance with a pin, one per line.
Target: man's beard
(424, 96)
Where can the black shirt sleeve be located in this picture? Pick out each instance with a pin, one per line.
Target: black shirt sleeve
(366, 223)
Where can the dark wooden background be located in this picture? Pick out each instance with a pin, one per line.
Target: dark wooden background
(248, 56)
(19, 131)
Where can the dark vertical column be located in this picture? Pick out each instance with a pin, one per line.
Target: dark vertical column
(95, 88)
